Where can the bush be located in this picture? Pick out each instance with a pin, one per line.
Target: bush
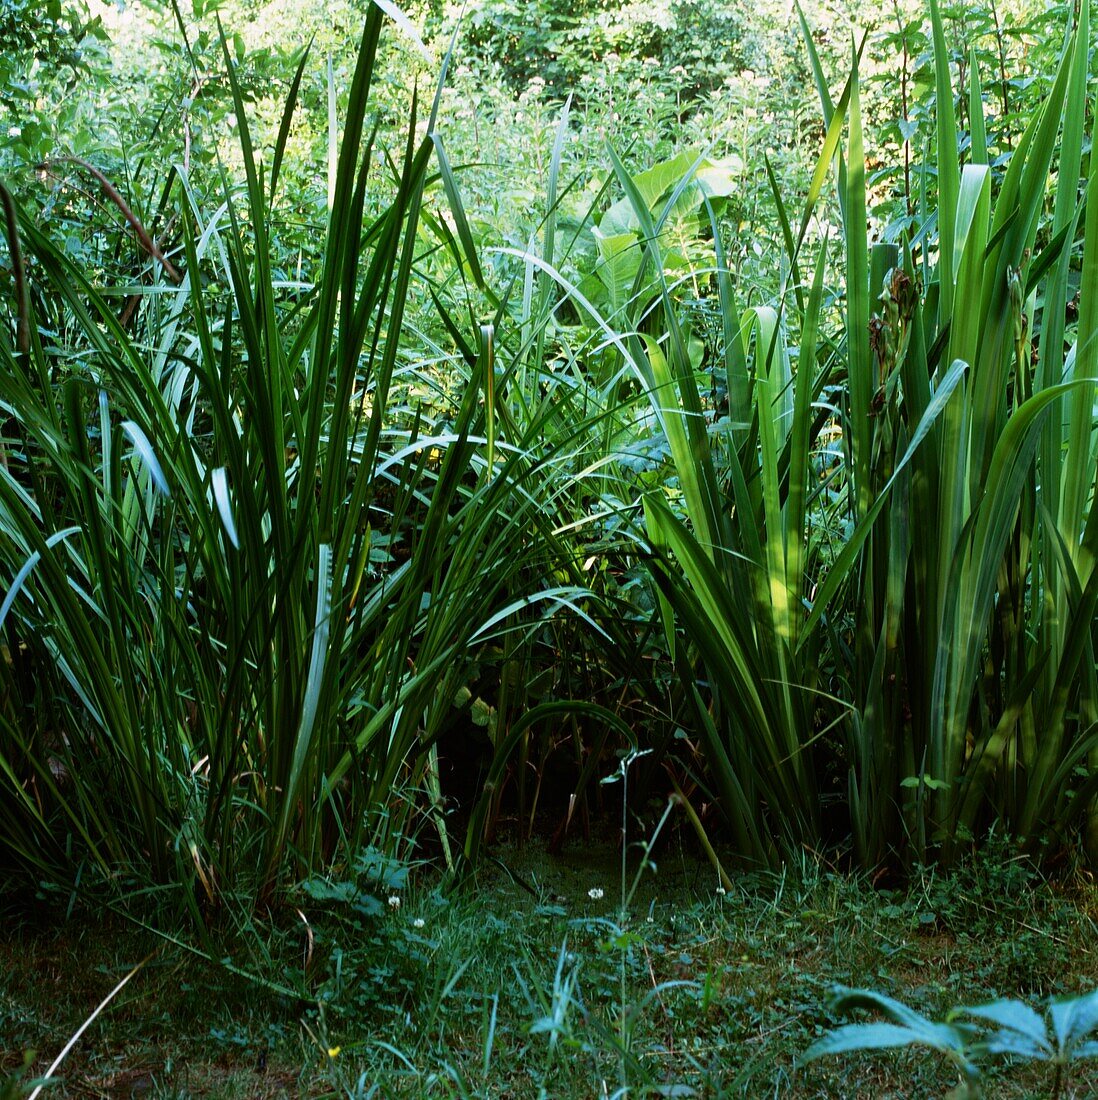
(690, 45)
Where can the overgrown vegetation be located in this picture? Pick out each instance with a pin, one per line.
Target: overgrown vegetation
(559, 992)
(522, 421)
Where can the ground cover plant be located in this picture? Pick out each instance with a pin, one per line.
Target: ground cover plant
(409, 455)
(507, 992)
(966, 1035)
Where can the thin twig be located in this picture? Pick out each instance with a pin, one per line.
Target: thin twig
(22, 302)
(87, 1023)
(112, 193)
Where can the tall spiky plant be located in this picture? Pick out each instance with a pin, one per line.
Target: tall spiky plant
(221, 682)
(946, 683)
(941, 417)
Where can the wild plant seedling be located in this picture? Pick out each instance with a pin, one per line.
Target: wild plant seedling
(1062, 1036)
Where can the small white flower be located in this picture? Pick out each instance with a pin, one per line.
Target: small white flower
(418, 922)
(595, 893)
(14, 131)
(721, 891)
(394, 902)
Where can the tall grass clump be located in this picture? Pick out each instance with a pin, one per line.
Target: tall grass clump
(240, 591)
(928, 640)
(246, 580)
(970, 580)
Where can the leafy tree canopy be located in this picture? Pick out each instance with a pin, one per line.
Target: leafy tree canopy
(53, 36)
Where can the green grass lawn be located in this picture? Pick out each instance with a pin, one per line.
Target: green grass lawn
(515, 986)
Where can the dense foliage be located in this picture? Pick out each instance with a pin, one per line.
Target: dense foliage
(371, 454)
